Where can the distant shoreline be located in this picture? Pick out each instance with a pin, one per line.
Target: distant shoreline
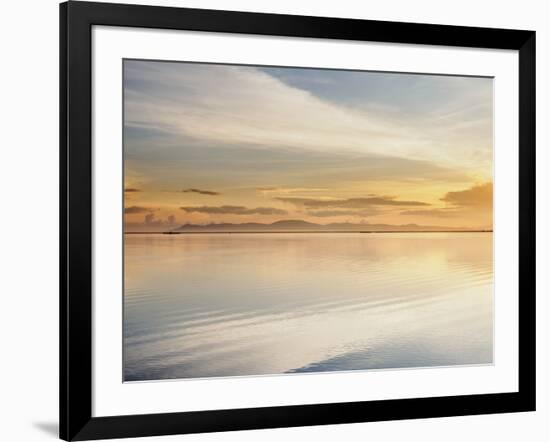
(308, 231)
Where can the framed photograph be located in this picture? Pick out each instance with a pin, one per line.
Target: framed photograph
(273, 220)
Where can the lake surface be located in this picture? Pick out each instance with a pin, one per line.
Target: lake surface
(203, 305)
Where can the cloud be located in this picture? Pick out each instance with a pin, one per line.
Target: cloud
(350, 203)
(131, 189)
(235, 210)
(329, 213)
(136, 209)
(438, 213)
(150, 220)
(281, 189)
(242, 105)
(202, 192)
(477, 196)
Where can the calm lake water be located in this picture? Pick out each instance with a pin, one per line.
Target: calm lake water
(203, 305)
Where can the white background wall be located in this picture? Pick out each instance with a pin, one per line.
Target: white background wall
(28, 218)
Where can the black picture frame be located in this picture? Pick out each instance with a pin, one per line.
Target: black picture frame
(76, 21)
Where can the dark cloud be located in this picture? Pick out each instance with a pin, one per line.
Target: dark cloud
(151, 220)
(235, 210)
(131, 189)
(477, 196)
(351, 203)
(137, 209)
(202, 192)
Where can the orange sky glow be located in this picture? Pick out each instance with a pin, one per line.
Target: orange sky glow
(210, 143)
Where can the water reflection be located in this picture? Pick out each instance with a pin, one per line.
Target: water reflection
(247, 304)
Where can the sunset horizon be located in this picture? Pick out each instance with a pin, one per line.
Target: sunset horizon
(209, 144)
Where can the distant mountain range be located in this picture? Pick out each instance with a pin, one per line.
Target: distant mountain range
(305, 226)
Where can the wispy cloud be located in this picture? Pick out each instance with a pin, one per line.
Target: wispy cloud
(235, 210)
(331, 213)
(200, 191)
(350, 203)
(228, 105)
(437, 213)
(289, 190)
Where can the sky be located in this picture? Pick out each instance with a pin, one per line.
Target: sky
(209, 143)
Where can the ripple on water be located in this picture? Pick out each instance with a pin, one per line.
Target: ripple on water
(316, 303)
